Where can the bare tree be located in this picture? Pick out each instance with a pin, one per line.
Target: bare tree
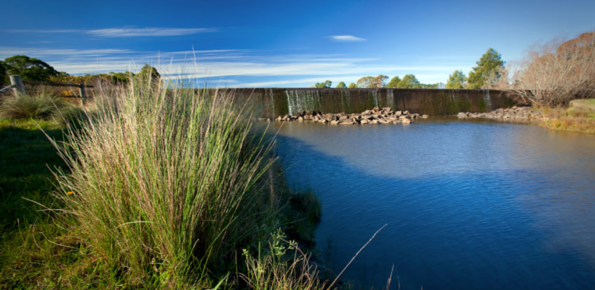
(556, 72)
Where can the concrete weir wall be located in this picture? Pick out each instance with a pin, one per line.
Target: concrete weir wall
(276, 102)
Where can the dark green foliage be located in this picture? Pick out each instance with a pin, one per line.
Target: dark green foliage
(487, 71)
(326, 84)
(408, 82)
(341, 85)
(30, 69)
(149, 72)
(428, 86)
(3, 74)
(456, 80)
(393, 82)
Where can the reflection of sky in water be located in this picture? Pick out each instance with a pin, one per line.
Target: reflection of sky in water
(432, 148)
(469, 205)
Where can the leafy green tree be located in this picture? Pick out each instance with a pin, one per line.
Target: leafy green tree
(3, 74)
(428, 86)
(408, 82)
(456, 80)
(487, 71)
(326, 84)
(341, 85)
(147, 71)
(30, 69)
(393, 82)
(352, 86)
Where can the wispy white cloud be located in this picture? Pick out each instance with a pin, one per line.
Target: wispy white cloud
(123, 32)
(251, 68)
(347, 38)
(46, 31)
(40, 52)
(128, 32)
(48, 52)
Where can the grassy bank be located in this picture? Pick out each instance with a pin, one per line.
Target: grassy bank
(569, 119)
(155, 188)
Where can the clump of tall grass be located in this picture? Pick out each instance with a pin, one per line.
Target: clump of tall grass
(163, 183)
(40, 106)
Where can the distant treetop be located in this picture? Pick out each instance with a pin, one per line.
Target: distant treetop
(487, 71)
(30, 69)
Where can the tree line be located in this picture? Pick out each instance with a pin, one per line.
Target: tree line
(408, 82)
(485, 75)
(33, 69)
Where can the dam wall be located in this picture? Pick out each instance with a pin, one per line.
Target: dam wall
(273, 102)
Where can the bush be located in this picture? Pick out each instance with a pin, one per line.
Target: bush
(557, 72)
(42, 106)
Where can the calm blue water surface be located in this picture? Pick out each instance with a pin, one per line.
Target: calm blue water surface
(469, 205)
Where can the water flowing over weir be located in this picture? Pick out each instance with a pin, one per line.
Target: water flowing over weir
(276, 102)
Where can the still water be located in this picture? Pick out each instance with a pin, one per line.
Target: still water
(469, 205)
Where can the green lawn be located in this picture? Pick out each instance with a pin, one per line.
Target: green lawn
(34, 252)
(26, 156)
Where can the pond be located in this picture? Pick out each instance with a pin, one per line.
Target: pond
(468, 204)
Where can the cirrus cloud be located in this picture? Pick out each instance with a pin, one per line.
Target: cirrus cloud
(123, 32)
(127, 32)
(349, 38)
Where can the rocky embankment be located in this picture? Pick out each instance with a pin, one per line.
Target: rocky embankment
(374, 116)
(512, 114)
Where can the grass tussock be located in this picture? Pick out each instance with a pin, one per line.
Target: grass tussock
(565, 119)
(43, 106)
(166, 185)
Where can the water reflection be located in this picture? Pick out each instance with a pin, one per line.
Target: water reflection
(469, 204)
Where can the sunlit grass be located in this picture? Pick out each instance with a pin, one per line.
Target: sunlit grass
(153, 187)
(560, 118)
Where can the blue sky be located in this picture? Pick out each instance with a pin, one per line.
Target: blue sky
(284, 43)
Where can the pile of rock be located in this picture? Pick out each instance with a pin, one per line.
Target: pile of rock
(374, 116)
(512, 114)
